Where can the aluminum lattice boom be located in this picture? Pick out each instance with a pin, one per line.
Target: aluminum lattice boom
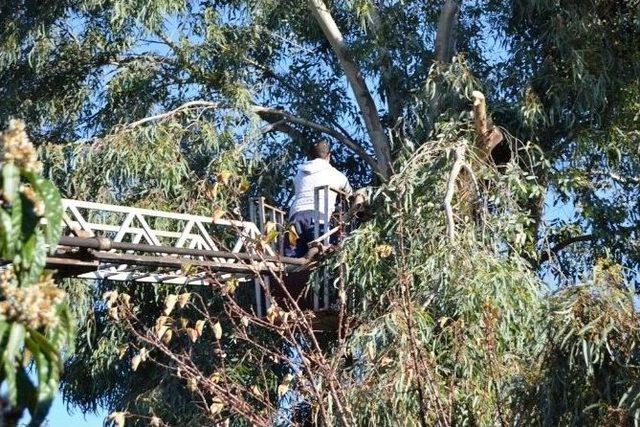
(102, 241)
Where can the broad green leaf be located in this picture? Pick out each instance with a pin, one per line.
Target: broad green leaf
(33, 258)
(49, 367)
(10, 182)
(53, 211)
(7, 240)
(10, 359)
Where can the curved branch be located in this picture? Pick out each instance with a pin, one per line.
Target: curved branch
(275, 117)
(265, 112)
(162, 116)
(358, 85)
(545, 256)
(458, 164)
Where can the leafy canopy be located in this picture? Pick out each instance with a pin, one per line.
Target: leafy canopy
(389, 82)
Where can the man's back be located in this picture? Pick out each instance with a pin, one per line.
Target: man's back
(312, 174)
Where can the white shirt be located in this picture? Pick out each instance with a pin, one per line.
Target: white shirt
(312, 174)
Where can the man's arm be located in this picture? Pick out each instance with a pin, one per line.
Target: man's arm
(346, 186)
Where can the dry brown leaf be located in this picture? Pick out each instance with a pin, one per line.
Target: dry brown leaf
(161, 321)
(144, 353)
(211, 191)
(169, 303)
(184, 322)
(216, 407)
(183, 299)
(135, 362)
(273, 313)
(166, 338)
(383, 251)
(193, 334)
(161, 331)
(110, 297)
(223, 176)
(293, 236)
(218, 214)
(284, 387)
(122, 351)
(199, 327)
(230, 286)
(244, 186)
(113, 313)
(217, 330)
(125, 298)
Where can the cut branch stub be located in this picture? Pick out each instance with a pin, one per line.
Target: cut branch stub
(489, 136)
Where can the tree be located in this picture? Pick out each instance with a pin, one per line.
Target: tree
(390, 82)
(35, 326)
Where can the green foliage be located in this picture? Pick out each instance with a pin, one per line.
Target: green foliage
(588, 369)
(463, 331)
(209, 170)
(457, 320)
(35, 325)
(561, 76)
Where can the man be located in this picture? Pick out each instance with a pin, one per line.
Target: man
(316, 172)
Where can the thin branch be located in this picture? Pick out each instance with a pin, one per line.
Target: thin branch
(163, 116)
(474, 180)
(623, 180)
(342, 138)
(358, 85)
(451, 187)
(545, 256)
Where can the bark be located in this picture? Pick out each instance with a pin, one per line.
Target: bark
(269, 114)
(358, 85)
(489, 136)
(446, 34)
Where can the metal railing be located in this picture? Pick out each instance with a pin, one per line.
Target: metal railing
(262, 213)
(173, 234)
(331, 220)
(144, 245)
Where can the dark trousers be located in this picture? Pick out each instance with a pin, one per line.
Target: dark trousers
(304, 223)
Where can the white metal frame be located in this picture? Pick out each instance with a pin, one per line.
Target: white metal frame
(325, 219)
(178, 230)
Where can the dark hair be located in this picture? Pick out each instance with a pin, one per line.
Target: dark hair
(320, 150)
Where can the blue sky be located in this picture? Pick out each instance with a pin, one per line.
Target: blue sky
(60, 417)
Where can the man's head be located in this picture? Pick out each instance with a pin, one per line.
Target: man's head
(320, 150)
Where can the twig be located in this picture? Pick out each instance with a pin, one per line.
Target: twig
(545, 256)
(451, 187)
(184, 107)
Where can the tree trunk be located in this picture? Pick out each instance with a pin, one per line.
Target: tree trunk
(358, 85)
(446, 34)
